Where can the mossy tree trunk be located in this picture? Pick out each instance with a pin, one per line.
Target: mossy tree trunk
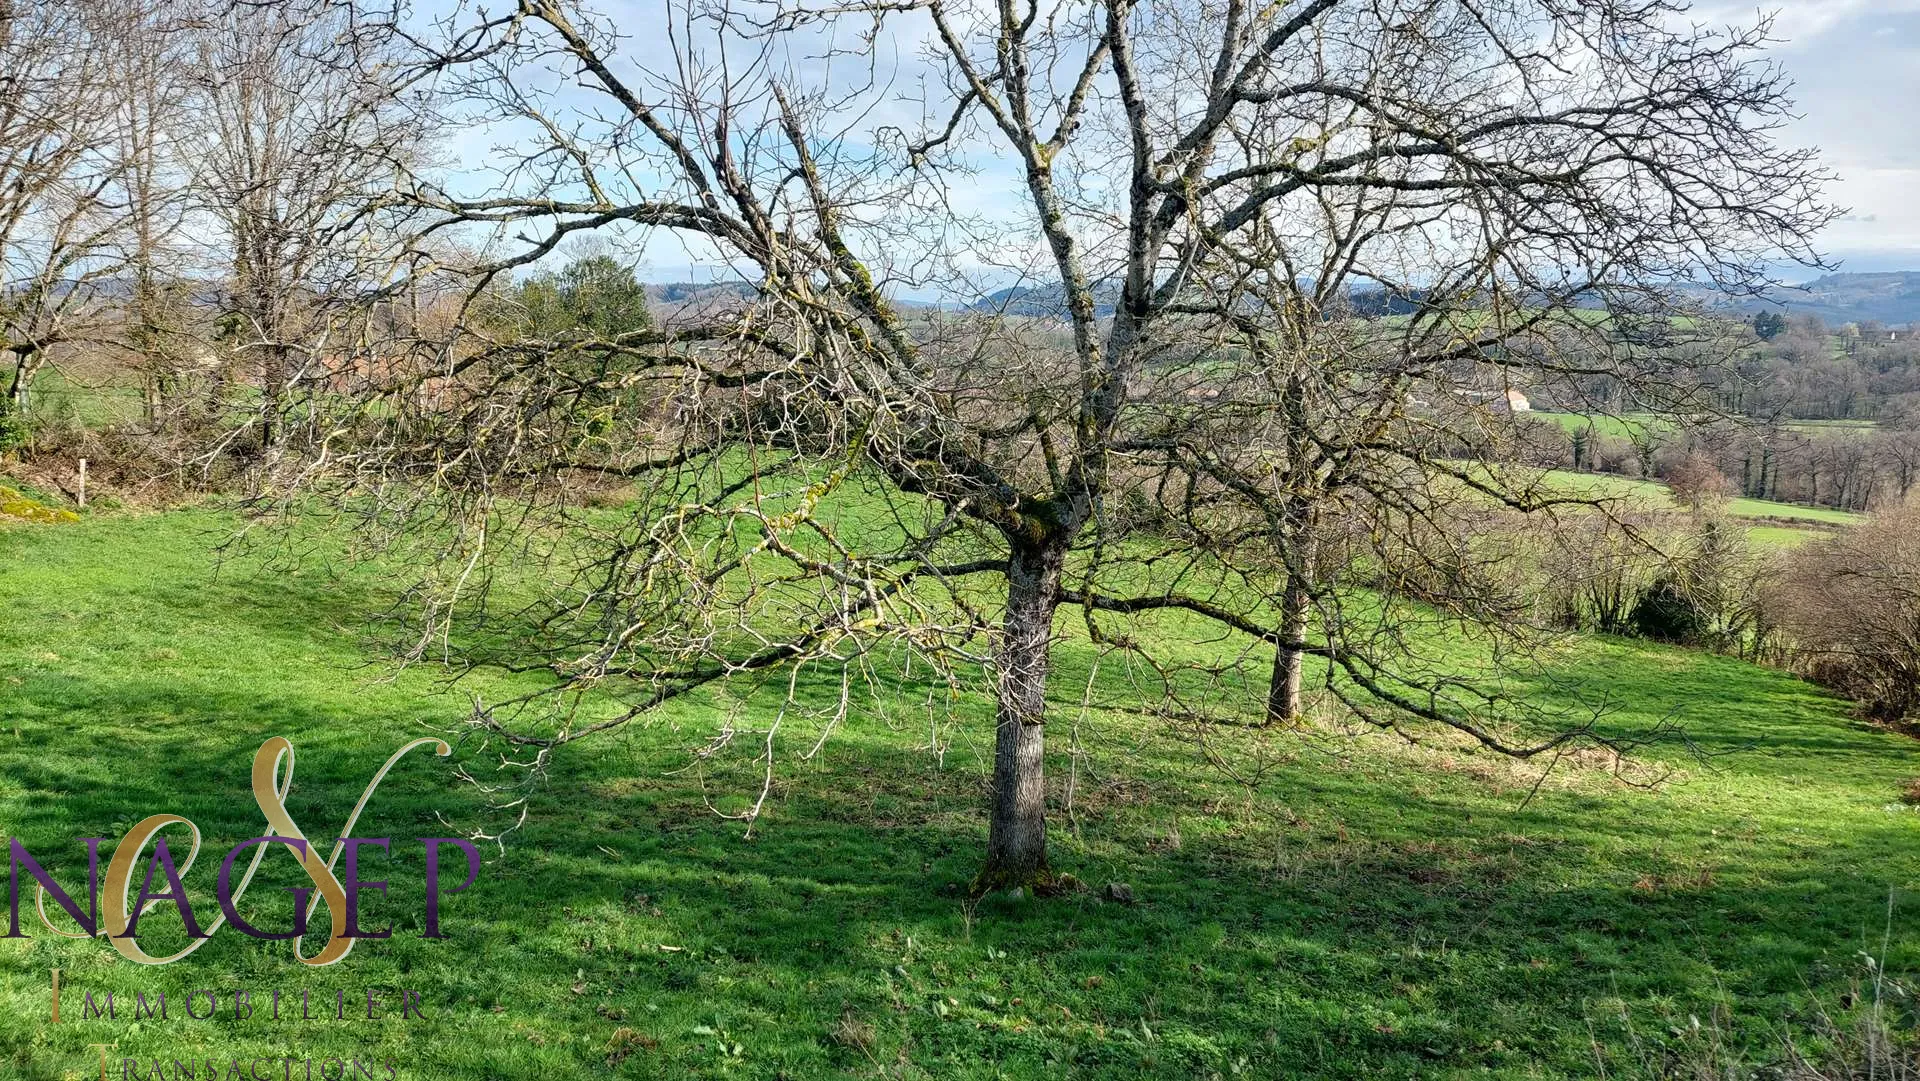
(1017, 833)
(1289, 657)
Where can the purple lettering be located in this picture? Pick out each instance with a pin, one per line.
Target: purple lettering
(18, 857)
(224, 891)
(433, 877)
(350, 882)
(176, 892)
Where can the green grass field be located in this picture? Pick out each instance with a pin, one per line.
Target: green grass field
(1627, 426)
(1819, 426)
(1779, 538)
(1366, 910)
(58, 398)
(1653, 494)
(1632, 425)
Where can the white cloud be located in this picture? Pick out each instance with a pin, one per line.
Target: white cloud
(1803, 19)
(1856, 69)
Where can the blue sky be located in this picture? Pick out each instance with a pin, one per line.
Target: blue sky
(1855, 64)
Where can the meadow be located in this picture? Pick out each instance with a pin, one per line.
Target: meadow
(1352, 907)
(1652, 494)
(1768, 524)
(1634, 425)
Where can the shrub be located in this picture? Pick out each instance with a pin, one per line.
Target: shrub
(1613, 454)
(1666, 613)
(1851, 607)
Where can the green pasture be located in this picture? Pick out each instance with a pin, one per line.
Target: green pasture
(1337, 905)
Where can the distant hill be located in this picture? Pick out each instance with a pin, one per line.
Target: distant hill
(1046, 301)
(685, 292)
(707, 298)
(1892, 298)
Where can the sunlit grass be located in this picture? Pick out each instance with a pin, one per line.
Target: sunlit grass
(1364, 910)
(1653, 495)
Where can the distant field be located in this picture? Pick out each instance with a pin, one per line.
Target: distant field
(57, 397)
(1622, 426)
(1816, 426)
(1629, 425)
(1779, 537)
(1655, 495)
(1609, 486)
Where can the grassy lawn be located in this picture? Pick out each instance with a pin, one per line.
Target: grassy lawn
(1818, 426)
(1632, 425)
(1766, 508)
(1655, 495)
(1778, 537)
(1365, 910)
(61, 398)
(1626, 426)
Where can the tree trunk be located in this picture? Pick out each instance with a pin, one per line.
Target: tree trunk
(268, 324)
(13, 406)
(273, 386)
(1289, 657)
(1017, 837)
(21, 383)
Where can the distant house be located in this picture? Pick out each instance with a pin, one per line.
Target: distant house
(1509, 400)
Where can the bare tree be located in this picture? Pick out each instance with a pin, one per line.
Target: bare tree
(155, 256)
(1850, 607)
(297, 138)
(1698, 483)
(827, 480)
(1899, 451)
(60, 200)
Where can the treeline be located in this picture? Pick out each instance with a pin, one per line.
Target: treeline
(188, 191)
(1784, 409)
(1853, 468)
(1800, 368)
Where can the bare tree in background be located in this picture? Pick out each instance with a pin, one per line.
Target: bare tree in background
(156, 180)
(296, 140)
(1899, 450)
(829, 482)
(61, 203)
(1850, 608)
(1697, 483)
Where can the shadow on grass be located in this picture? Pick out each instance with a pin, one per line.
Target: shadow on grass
(1358, 916)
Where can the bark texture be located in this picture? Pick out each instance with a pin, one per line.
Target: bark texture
(1289, 657)
(1017, 837)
